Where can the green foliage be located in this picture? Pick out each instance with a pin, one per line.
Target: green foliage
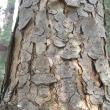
(5, 35)
(107, 3)
(5, 38)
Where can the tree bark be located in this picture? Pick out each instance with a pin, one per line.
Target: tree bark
(58, 58)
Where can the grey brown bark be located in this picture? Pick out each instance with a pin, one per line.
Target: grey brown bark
(58, 58)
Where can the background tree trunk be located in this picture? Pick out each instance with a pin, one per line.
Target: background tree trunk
(58, 58)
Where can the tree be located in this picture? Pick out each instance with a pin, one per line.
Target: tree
(57, 58)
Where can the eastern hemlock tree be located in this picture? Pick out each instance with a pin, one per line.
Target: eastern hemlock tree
(58, 58)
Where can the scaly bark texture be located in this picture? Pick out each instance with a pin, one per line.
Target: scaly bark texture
(58, 59)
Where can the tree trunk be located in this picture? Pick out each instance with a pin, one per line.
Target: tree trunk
(58, 58)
